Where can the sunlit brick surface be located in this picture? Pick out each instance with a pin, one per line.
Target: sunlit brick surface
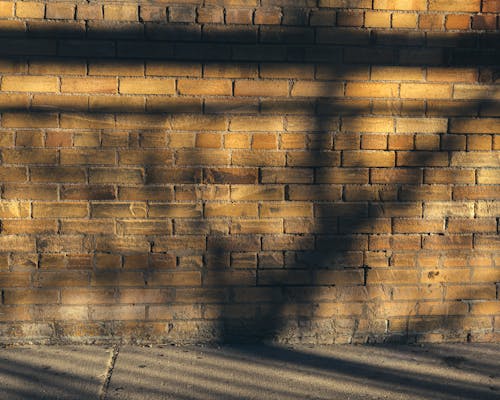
(317, 171)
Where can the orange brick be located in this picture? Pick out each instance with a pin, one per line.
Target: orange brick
(457, 21)
(490, 6)
(432, 22)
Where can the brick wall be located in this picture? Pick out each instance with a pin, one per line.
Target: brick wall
(295, 170)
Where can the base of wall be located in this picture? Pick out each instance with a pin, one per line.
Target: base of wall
(203, 332)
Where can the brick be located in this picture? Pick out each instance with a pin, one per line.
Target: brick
(57, 174)
(266, 226)
(261, 88)
(239, 16)
(212, 87)
(422, 158)
(287, 242)
(199, 122)
(350, 18)
(372, 90)
(299, 71)
(483, 125)
(120, 176)
(458, 5)
(89, 85)
(400, 20)
(287, 175)
(391, 209)
(256, 192)
(317, 89)
(60, 210)
(374, 19)
(146, 86)
(488, 176)
(479, 143)
(487, 209)
(315, 192)
(6, 9)
(368, 159)
(432, 22)
(181, 14)
(118, 210)
(483, 192)
(14, 209)
(59, 11)
(87, 157)
(29, 156)
(475, 159)
(268, 16)
(367, 124)
(421, 125)
(485, 308)
(439, 74)
(449, 175)
(427, 91)
(257, 158)
(45, 102)
(30, 10)
(449, 209)
(490, 6)
(153, 13)
(121, 12)
(210, 15)
(284, 210)
(476, 225)
(458, 21)
(33, 192)
(487, 242)
(401, 5)
(30, 84)
(89, 11)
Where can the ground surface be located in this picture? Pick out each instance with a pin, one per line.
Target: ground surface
(450, 371)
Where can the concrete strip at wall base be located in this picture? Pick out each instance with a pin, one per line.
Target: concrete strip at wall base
(452, 371)
(53, 372)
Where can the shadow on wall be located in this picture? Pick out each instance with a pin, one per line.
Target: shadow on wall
(327, 277)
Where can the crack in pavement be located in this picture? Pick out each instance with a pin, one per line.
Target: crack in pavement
(103, 392)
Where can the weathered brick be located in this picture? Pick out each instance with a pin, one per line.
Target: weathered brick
(121, 12)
